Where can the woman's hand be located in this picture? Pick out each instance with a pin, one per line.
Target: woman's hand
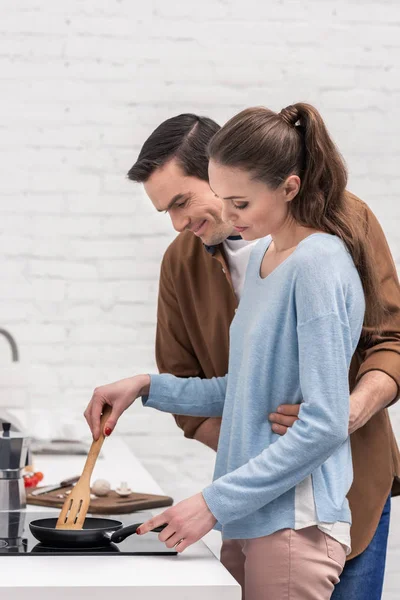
(188, 522)
(119, 395)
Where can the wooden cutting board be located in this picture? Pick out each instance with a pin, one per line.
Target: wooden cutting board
(112, 504)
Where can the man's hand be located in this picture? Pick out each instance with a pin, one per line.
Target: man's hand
(285, 417)
(119, 395)
(187, 522)
(374, 392)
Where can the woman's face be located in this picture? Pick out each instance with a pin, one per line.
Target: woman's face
(252, 207)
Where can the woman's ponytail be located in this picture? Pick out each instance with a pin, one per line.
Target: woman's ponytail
(273, 146)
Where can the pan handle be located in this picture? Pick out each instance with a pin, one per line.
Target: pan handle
(121, 534)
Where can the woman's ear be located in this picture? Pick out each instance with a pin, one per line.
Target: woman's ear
(291, 187)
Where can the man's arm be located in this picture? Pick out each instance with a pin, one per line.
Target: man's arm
(381, 352)
(374, 391)
(175, 355)
(208, 432)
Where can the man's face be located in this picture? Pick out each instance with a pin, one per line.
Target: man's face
(189, 202)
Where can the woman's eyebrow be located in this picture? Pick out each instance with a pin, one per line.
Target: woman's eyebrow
(234, 198)
(228, 197)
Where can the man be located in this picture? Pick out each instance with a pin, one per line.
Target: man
(201, 279)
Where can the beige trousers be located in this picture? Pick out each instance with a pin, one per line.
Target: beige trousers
(303, 564)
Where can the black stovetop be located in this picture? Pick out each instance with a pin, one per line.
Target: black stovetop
(16, 538)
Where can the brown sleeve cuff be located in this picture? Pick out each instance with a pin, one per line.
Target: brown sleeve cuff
(386, 361)
(189, 425)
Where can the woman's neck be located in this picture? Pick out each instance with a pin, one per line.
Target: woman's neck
(289, 236)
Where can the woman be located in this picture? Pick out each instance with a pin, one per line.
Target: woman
(308, 285)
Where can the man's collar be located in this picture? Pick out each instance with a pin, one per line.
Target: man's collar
(212, 249)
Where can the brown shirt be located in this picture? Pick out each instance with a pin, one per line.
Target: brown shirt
(196, 306)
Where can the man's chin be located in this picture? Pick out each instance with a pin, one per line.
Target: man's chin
(213, 240)
(216, 237)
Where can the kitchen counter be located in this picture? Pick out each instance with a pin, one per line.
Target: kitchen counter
(195, 574)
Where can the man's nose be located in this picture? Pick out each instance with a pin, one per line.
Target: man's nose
(179, 222)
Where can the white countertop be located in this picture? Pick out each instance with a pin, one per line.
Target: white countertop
(195, 574)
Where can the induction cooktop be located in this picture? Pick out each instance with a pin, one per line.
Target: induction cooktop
(16, 538)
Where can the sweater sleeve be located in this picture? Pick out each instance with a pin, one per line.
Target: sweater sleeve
(191, 396)
(325, 348)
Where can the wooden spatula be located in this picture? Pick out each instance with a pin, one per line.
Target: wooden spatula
(75, 508)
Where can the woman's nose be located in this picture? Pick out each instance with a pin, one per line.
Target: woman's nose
(227, 214)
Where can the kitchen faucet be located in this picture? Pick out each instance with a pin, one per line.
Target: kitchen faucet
(14, 455)
(13, 344)
(15, 358)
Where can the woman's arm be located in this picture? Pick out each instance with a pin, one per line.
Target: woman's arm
(325, 349)
(187, 396)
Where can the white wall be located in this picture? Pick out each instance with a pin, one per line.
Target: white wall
(82, 85)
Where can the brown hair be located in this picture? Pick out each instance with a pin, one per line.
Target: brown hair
(271, 147)
(185, 138)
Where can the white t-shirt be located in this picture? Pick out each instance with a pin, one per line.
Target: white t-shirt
(306, 515)
(237, 253)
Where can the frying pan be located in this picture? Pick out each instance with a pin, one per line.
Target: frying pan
(95, 532)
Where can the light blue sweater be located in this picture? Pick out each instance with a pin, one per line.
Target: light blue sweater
(291, 341)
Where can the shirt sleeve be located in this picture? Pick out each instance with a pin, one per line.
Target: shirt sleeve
(325, 349)
(174, 351)
(381, 351)
(191, 396)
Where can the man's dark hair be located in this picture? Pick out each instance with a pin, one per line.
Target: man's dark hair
(184, 138)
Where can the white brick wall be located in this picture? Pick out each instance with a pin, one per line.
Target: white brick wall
(82, 85)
